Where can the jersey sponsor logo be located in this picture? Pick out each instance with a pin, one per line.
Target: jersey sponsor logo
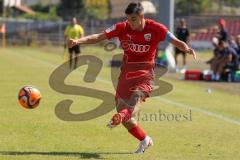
(138, 48)
(147, 36)
(110, 29)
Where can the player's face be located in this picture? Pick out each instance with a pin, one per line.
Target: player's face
(135, 21)
(74, 21)
(182, 23)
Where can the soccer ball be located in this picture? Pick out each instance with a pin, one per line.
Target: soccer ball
(29, 97)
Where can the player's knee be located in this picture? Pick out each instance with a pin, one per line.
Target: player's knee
(130, 103)
(136, 98)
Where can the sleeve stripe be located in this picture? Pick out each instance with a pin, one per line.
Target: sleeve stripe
(170, 37)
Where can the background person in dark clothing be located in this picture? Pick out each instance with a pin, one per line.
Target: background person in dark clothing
(222, 33)
(223, 57)
(238, 44)
(183, 34)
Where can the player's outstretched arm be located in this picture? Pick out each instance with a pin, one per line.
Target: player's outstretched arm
(183, 47)
(91, 39)
(180, 44)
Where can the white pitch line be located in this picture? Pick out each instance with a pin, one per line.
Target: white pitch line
(166, 100)
(196, 109)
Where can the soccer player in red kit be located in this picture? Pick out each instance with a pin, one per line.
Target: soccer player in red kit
(139, 39)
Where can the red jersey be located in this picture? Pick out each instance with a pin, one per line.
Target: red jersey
(138, 46)
(139, 54)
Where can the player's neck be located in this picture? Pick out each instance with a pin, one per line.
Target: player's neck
(142, 26)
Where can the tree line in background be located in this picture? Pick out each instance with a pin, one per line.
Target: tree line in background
(100, 9)
(1, 8)
(96, 9)
(189, 7)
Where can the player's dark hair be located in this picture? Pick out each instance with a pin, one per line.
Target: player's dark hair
(134, 8)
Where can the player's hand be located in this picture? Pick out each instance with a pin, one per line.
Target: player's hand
(192, 52)
(72, 43)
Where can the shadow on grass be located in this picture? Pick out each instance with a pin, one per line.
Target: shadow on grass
(84, 155)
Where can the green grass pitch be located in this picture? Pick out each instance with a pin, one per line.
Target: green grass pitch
(212, 131)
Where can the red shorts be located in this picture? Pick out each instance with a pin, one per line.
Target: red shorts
(131, 82)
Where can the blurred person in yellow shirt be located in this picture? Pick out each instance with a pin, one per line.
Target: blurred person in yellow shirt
(73, 31)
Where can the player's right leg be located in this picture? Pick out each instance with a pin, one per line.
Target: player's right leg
(176, 59)
(77, 52)
(126, 112)
(126, 108)
(184, 56)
